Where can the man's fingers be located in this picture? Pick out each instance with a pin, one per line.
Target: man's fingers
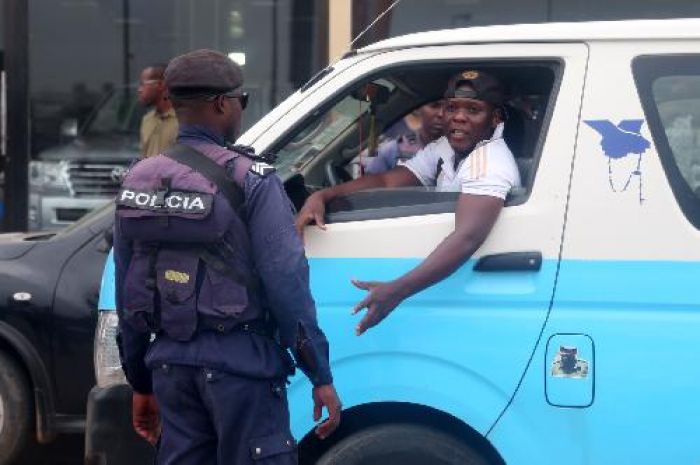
(318, 217)
(326, 428)
(360, 305)
(152, 437)
(145, 432)
(364, 285)
(318, 410)
(370, 319)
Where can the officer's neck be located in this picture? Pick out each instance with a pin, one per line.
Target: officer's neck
(193, 116)
(190, 132)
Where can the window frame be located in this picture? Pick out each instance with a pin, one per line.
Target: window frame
(556, 64)
(646, 69)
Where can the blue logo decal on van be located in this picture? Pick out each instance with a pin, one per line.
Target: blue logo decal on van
(619, 141)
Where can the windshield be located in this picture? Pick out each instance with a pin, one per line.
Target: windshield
(118, 113)
(92, 216)
(318, 134)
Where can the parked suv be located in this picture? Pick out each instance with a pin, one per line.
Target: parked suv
(70, 180)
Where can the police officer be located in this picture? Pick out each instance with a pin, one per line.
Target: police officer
(471, 158)
(208, 260)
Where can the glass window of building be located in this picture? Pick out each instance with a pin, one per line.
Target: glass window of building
(85, 60)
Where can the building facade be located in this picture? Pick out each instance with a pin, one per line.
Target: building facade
(69, 67)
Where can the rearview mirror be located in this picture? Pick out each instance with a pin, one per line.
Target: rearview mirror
(372, 92)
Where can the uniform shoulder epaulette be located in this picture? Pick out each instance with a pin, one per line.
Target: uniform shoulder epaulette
(261, 168)
(262, 164)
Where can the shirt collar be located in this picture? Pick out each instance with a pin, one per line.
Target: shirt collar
(449, 154)
(197, 133)
(168, 114)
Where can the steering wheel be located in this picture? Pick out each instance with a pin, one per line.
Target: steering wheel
(336, 174)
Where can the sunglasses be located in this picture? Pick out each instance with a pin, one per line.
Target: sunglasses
(241, 96)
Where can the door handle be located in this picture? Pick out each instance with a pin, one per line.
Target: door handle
(510, 261)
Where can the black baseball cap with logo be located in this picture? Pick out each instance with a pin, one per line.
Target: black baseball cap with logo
(476, 84)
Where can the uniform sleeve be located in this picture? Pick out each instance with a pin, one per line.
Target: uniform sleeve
(493, 172)
(284, 271)
(132, 344)
(424, 165)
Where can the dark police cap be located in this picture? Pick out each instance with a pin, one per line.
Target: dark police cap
(202, 72)
(477, 85)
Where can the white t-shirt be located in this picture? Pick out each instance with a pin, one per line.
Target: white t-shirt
(490, 168)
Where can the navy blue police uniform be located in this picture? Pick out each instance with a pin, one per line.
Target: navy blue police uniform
(219, 379)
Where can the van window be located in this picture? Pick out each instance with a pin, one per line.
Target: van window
(669, 87)
(338, 141)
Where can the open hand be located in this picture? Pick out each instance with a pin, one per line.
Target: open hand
(326, 396)
(380, 301)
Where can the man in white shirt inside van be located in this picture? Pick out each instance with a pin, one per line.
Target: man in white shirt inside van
(472, 158)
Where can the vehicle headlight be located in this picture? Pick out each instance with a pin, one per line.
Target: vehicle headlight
(108, 367)
(49, 175)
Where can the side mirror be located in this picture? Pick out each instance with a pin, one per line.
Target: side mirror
(69, 128)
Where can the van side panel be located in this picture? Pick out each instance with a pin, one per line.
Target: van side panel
(628, 281)
(459, 346)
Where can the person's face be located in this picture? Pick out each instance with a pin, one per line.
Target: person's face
(150, 87)
(468, 122)
(432, 119)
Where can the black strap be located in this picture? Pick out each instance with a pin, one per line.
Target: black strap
(234, 194)
(152, 284)
(439, 168)
(214, 259)
(209, 169)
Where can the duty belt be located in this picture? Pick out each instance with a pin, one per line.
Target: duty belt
(227, 325)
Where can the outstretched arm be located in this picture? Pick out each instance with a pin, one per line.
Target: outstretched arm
(474, 219)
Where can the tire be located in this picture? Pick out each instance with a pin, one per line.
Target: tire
(401, 444)
(15, 410)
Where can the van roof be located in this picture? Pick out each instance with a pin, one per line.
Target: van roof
(549, 32)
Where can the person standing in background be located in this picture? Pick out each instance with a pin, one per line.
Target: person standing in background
(158, 126)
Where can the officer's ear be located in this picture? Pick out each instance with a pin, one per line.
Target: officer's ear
(219, 104)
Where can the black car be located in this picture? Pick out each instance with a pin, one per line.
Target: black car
(49, 284)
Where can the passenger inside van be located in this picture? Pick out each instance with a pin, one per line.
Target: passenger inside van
(404, 139)
(472, 159)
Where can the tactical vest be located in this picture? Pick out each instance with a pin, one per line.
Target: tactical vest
(190, 266)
